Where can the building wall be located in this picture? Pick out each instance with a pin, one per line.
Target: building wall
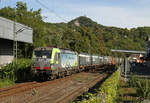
(7, 31)
(6, 51)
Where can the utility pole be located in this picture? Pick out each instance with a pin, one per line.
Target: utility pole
(15, 42)
(15, 39)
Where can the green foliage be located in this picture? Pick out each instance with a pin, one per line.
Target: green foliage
(143, 89)
(17, 72)
(126, 94)
(107, 91)
(5, 83)
(141, 85)
(118, 38)
(110, 87)
(132, 80)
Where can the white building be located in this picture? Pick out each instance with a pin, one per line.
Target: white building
(7, 29)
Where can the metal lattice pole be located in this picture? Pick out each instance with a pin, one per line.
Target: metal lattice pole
(15, 40)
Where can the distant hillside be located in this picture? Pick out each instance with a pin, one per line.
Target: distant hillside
(80, 35)
(118, 38)
(83, 21)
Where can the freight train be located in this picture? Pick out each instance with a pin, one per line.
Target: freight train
(51, 62)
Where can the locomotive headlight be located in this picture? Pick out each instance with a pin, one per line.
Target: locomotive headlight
(44, 56)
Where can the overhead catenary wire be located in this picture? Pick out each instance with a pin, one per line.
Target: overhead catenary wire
(51, 11)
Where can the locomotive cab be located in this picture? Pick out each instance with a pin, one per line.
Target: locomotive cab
(42, 59)
(42, 62)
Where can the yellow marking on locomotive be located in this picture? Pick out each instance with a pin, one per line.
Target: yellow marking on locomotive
(54, 51)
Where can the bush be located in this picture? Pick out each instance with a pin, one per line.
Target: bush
(142, 86)
(132, 80)
(110, 87)
(17, 72)
(107, 91)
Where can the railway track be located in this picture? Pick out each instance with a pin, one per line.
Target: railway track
(72, 95)
(4, 92)
(64, 83)
(62, 90)
(16, 89)
(69, 94)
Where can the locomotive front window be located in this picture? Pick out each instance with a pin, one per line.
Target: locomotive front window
(43, 53)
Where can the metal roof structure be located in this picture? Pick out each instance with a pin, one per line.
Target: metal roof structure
(24, 33)
(129, 51)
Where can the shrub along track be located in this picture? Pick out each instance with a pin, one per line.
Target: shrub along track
(62, 90)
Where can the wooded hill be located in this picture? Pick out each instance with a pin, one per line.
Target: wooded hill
(81, 34)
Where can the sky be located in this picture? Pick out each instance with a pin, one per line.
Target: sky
(118, 13)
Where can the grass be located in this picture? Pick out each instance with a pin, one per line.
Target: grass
(126, 94)
(136, 90)
(5, 83)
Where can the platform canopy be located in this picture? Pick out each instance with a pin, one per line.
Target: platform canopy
(128, 51)
(24, 33)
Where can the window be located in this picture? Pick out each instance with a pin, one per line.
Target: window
(41, 53)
